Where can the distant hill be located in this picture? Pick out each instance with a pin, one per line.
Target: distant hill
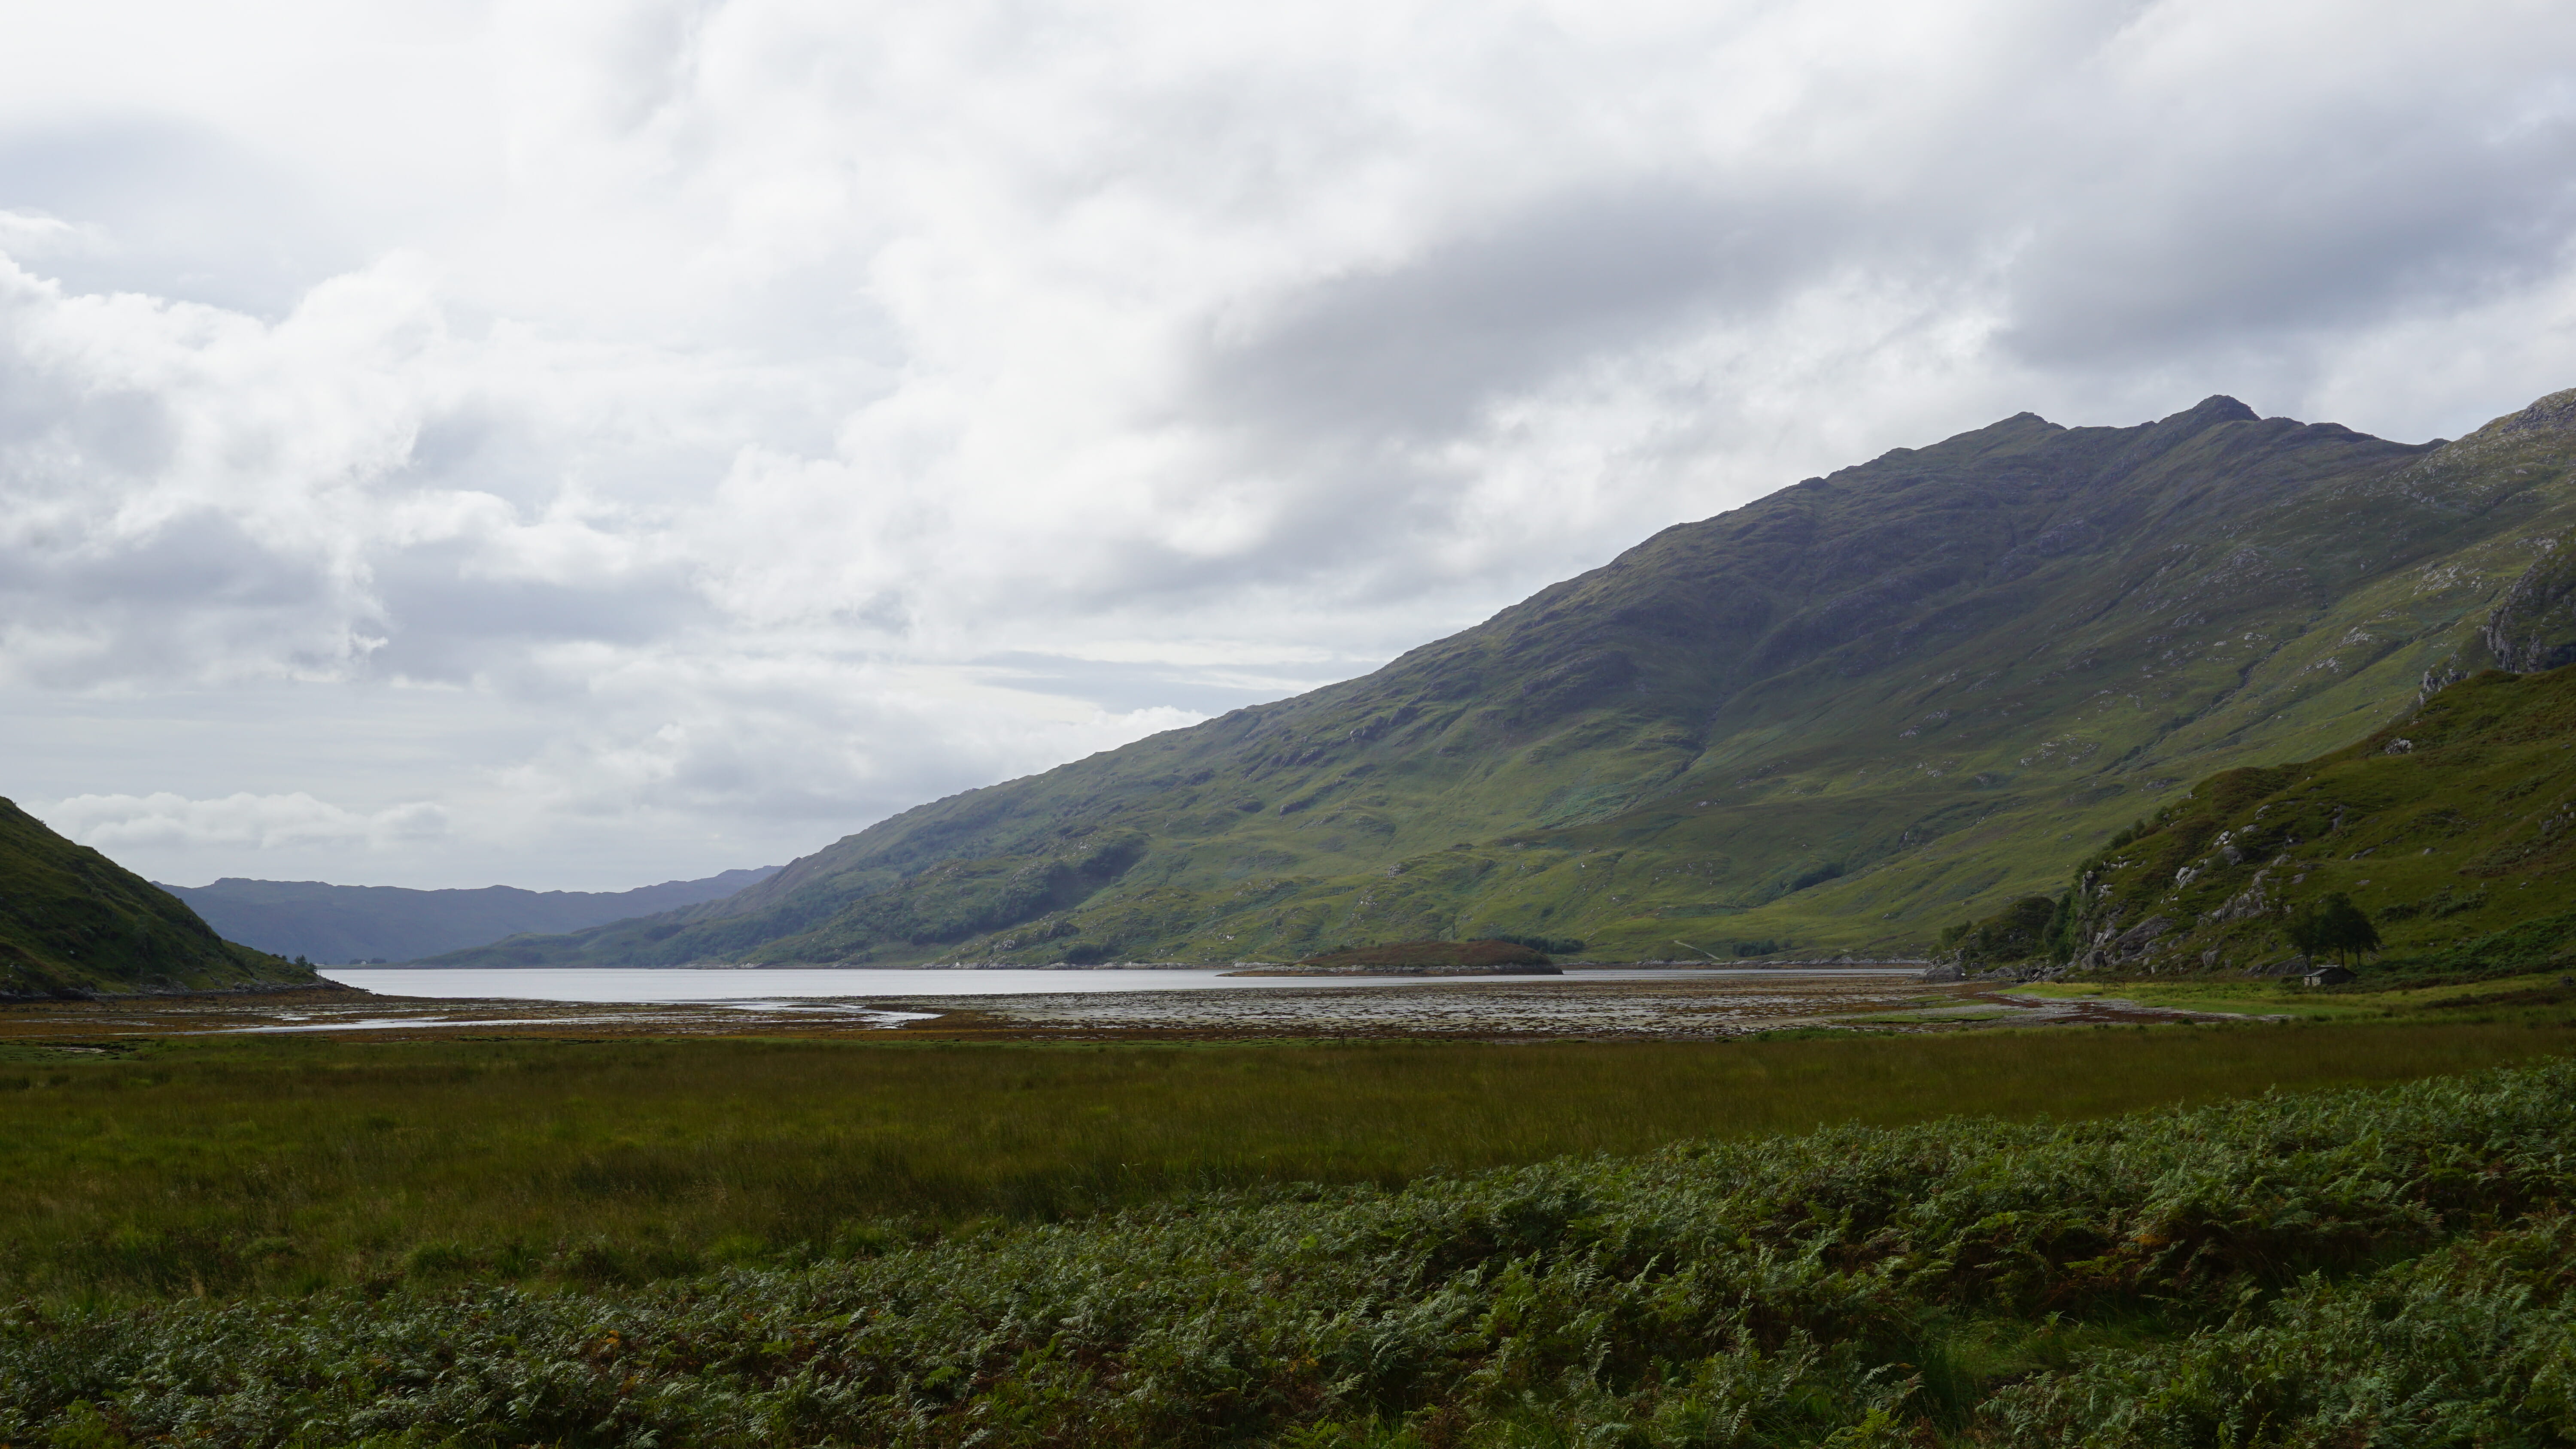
(72, 921)
(1838, 718)
(338, 925)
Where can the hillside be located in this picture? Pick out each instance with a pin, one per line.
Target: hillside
(2454, 830)
(71, 920)
(1837, 718)
(339, 924)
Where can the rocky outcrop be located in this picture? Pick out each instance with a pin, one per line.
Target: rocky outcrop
(2247, 904)
(2555, 413)
(2534, 625)
(2134, 942)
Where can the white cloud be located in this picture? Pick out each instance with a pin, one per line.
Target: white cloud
(33, 234)
(120, 823)
(749, 418)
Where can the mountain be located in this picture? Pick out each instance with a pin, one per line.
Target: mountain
(74, 922)
(337, 923)
(1835, 719)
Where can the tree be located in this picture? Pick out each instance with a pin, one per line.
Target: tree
(2016, 933)
(2332, 927)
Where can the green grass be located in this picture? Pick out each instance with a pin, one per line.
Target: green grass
(2237, 998)
(2531, 996)
(2379, 1267)
(226, 1167)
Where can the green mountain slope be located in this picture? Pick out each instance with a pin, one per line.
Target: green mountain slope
(1834, 719)
(73, 921)
(2453, 829)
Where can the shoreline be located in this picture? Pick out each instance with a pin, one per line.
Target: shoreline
(1227, 967)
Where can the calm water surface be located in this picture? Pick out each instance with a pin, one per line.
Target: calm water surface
(682, 983)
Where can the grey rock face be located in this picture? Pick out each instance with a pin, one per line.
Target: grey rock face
(2534, 625)
(2138, 937)
(2440, 677)
(2246, 904)
(2555, 413)
(2113, 947)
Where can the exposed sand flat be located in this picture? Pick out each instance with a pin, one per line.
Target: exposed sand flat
(1526, 1008)
(1572, 1007)
(1560, 1007)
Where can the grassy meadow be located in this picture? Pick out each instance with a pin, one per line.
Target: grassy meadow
(2382, 1266)
(2382, 994)
(223, 1167)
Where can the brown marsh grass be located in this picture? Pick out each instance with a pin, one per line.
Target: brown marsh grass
(223, 1167)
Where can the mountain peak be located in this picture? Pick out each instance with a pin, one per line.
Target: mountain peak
(2214, 409)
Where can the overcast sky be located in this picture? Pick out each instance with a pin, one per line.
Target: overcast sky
(584, 444)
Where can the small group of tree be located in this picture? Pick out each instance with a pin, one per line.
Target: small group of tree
(2334, 927)
(2031, 926)
(1491, 953)
(1552, 945)
(1721, 950)
(2142, 826)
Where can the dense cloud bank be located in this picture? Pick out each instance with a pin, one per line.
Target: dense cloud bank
(595, 443)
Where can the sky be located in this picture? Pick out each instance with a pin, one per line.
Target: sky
(576, 445)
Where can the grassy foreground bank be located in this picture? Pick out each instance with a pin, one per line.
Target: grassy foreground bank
(221, 1167)
(2389, 1266)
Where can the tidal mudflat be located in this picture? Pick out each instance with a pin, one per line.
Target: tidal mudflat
(1631, 1006)
(1585, 1005)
